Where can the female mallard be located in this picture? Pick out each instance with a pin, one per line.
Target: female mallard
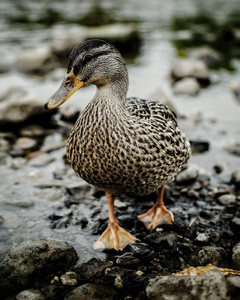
(120, 145)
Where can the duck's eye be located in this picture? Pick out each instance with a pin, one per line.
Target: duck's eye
(87, 58)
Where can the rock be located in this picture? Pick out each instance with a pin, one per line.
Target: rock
(188, 175)
(211, 285)
(127, 259)
(17, 106)
(32, 131)
(32, 261)
(235, 88)
(188, 86)
(92, 291)
(208, 55)
(202, 238)
(159, 238)
(69, 278)
(211, 255)
(199, 146)
(233, 148)
(235, 179)
(25, 143)
(19, 202)
(69, 113)
(185, 67)
(41, 160)
(17, 163)
(91, 268)
(30, 295)
(236, 256)
(227, 199)
(141, 250)
(236, 222)
(35, 60)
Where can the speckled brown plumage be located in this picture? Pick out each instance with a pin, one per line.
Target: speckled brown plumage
(120, 145)
(132, 149)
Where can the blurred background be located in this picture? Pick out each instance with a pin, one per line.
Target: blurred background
(184, 53)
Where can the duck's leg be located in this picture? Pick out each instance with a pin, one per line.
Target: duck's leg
(114, 236)
(158, 214)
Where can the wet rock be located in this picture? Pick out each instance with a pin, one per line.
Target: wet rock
(30, 295)
(80, 189)
(141, 250)
(41, 160)
(119, 204)
(227, 199)
(202, 238)
(159, 238)
(236, 222)
(187, 86)
(236, 256)
(34, 260)
(35, 60)
(211, 285)
(91, 268)
(235, 179)
(211, 255)
(69, 113)
(233, 148)
(32, 131)
(127, 259)
(93, 291)
(69, 278)
(25, 143)
(188, 175)
(208, 55)
(185, 67)
(17, 106)
(199, 146)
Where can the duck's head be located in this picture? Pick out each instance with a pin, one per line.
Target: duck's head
(92, 62)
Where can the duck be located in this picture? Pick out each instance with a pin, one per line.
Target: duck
(120, 145)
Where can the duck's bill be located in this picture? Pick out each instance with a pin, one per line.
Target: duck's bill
(68, 87)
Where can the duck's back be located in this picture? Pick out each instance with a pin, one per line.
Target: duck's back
(134, 153)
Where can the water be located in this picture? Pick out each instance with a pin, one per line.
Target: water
(217, 107)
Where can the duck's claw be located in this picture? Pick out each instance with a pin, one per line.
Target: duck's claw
(114, 237)
(157, 215)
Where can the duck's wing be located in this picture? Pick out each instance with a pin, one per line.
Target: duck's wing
(154, 113)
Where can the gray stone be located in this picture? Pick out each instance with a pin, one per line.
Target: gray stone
(19, 202)
(236, 222)
(227, 199)
(211, 285)
(25, 143)
(31, 294)
(233, 148)
(91, 291)
(41, 160)
(236, 177)
(32, 131)
(69, 112)
(185, 67)
(34, 60)
(236, 256)
(235, 88)
(211, 255)
(208, 55)
(188, 86)
(18, 106)
(69, 278)
(34, 260)
(188, 175)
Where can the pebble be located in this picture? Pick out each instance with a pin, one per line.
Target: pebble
(163, 239)
(227, 199)
(25, 143)
(188, 86)
(41, 160)
(32, 260)
(188, 175)
(69, 113)
(211, 285)
(141, 250)
(202, 238)
(127, 259)
(235, 179)
(35, 60)
(91, 291)
(31, 294)
(119, 204)
(211, 255)
(69, 278)
(185, 67)
(118, 283)
(199, 146)
(32, 131)
(25, 203)
(236, 222)
(236, 256)
(208, 55)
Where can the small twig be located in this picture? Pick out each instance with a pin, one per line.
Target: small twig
(47, 150)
